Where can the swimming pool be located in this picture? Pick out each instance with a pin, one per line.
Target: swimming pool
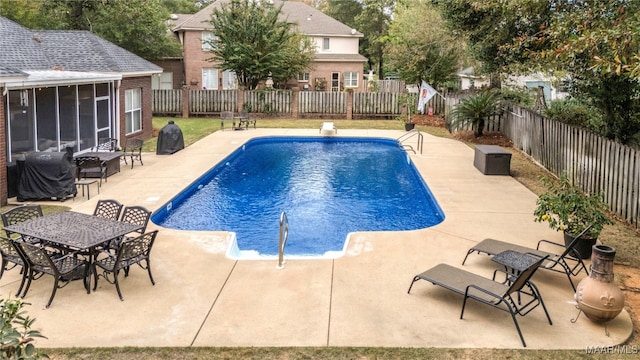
(328, 187)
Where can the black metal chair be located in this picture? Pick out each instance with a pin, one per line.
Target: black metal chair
(137, 215)
(64, 268)
(516, 295)
(12, 257)
(20, 214)
(106, 144)
(133, 150)
(130, 252)
(91, 166)
(227, 117)
(109, 209)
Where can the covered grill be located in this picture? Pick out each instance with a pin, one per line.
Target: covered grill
(46, 176)
(170, 139)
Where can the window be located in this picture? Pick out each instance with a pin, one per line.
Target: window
(325, 44)
(229, 81)
(208, 40)
(209, 79)
(351, 79)
(303, 76)
(133, 110)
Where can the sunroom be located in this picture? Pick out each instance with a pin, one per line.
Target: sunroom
(52, 110)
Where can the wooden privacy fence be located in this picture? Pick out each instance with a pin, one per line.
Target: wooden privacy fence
(594, 163)
(167, 102)
(319, 102)
(269, 102)
(203, 102)
(295, 104)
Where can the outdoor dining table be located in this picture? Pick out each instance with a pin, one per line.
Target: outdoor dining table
(111, 159)
(74, 230)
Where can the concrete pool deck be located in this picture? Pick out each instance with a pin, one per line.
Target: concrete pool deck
(202, 298)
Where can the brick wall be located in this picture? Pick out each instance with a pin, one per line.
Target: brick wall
(176, 67)
(143, 83)
(195, 59)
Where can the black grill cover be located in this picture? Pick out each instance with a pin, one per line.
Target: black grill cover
(46, 175)
(170, 139)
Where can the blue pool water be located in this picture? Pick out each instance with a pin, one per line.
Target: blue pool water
(328, 187)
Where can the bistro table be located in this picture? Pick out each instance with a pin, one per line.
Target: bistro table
(110, 158)
(514, 261)
(74, 230)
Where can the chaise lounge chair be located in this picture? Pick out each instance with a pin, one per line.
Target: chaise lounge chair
(568, 261)
(328, 129)
(492, 292)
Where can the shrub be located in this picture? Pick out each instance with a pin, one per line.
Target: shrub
(575, 112)
(567, 208)
(16, 336)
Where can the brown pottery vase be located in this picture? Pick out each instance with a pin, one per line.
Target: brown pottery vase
(597, 295)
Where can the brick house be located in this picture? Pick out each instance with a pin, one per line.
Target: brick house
(64, 88)
(336, 66)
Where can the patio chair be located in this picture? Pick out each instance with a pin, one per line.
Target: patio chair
(64, 268)
(568, 261)
(106, 144)
(227, 117)
(495, 293)
(11, 257)
(19, 214)
(109, 209)
(137, 215)
(243, 119)
(91, 167)
(328, 128)
(133, 150)
(131, 251)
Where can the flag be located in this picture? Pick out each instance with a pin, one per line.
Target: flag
(426, 93)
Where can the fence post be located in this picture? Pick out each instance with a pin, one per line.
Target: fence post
(349, 104)
(295, 108)
(240, 99)
(185, 102)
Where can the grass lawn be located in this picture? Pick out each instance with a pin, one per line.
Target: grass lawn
(622, 236)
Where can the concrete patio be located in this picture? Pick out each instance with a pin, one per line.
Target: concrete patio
(202, 298)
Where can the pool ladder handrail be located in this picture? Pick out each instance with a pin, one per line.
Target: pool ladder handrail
(284, 235)
(409, 135)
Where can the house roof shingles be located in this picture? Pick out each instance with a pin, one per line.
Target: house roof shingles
(24, 49)
(309, 20)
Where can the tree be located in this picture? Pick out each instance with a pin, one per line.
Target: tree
(370, 17)
(594, 42)
(255, 44)
(419, 45)
(476, 111)
(489, 25)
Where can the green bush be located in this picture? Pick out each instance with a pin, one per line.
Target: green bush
(521, 96)
(16, 336)
(575, 112)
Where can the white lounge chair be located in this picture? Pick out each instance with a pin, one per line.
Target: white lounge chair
(328, 129)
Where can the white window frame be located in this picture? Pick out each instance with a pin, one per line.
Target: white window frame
(303, 77)
(207, 39)
(133, 110)
(229, 80)
(209, 79)
(350, 79)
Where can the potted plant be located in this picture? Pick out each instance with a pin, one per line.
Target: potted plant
(406, 120)
(409, 107)
(567, 208)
